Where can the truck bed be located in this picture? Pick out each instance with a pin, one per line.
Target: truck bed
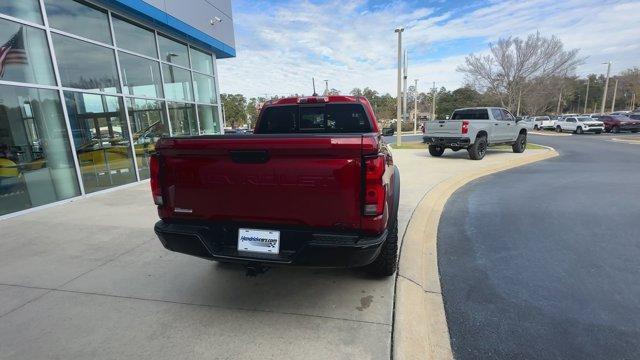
(286, 180)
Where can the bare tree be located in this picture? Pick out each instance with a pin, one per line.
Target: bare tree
(513, 63)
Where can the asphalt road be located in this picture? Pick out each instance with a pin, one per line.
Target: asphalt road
(543, 261)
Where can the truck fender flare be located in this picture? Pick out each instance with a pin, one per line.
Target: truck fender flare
(393, 216)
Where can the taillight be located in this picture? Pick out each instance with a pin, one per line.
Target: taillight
(154, 170)
(374, 191)
(465, 126)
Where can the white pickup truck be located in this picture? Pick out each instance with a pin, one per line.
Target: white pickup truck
(475, 129)
(580, 125)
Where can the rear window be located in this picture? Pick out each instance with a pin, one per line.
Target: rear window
(470, 114)
(330, 118)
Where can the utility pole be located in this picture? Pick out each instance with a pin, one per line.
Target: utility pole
(615, 92)
(519, 100)
(326, 87)
(559, 102)
(399, 105)
(606, 87)
(586, 97)
(433, 106)
(405, 113)
(415, 107)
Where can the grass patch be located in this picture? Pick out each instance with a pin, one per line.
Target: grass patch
(420, 145)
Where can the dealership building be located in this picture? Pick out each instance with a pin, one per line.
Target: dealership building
(88, 87)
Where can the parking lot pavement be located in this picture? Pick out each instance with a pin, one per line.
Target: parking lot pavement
(89, 279)
(541, 261)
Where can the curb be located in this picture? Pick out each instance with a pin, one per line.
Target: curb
(420, 328)
(542, 133)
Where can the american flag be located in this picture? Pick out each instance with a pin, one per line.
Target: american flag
(12, 52)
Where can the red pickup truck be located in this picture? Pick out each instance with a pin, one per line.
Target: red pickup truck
(315, 185)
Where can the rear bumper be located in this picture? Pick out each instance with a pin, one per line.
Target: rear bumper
(446, 141)
(298, 247)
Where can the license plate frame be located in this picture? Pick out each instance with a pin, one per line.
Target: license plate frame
(259, 241)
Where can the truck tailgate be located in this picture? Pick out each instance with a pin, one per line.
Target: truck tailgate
(444, 127)
(298, 180)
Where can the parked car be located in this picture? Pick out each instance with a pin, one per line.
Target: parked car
(634, 116)
(593, 115)
(544, 123)
(580, 125)
(474, 129)
(625, 113)
(528, 123)
(315, 185)
(548, 122)
(618, 123)
(533, 122)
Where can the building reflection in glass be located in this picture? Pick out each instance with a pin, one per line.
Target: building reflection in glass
(102, 140)
(36, 165)
(148, 124)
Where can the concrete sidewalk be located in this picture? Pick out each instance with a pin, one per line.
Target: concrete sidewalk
(89, 279)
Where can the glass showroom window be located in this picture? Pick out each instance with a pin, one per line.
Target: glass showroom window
(183, 119)
(177, 83)
(148, 123)
(202, 62)
(209, 120)
(36, 165)
(22, 9)
(140, 76)
(27, 58)
(204, 88)
(84, 65)
(102, 140)
(134, 38)
(79, 19)
(173, 51)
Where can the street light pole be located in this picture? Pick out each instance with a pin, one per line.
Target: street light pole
(415, 107)
(615, 92)
(405, 115)
(433, 105)
(606, 87)
(399, 102)
(586, 97)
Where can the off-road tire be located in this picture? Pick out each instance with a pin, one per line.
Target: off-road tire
(386, 262)
(579, 130)
(521, 143)
(435, 150)
(478, 149)
(558, 129)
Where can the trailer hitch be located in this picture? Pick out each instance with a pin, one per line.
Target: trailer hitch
(254, 269)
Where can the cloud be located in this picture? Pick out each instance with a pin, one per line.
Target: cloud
(281, 45)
